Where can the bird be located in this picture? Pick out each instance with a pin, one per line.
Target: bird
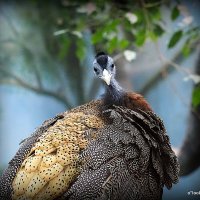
(113, 148)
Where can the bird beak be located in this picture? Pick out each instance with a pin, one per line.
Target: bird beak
(106, 76)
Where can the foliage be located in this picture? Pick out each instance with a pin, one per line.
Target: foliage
(175, 38)
(116, 26)
(175, 13)
(196, 97)
(192, 37)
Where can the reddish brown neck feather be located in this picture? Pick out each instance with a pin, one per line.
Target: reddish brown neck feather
(136, 101)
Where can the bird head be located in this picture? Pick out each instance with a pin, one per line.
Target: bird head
(104, 67)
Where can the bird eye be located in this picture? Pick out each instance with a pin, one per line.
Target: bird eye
(112, 66)
(96, 70)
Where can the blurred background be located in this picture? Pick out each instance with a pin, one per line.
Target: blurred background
(47, 50)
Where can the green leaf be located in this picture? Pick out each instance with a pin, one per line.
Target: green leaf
(186, 50)
(196, 97)
(109, 27)
(112, 25)
(97, 36)
(175, 13)
(140, 16)
(155, 13)
(140, 38)
(112, 44)
(175, 38)
(123, 43)
(152, 35)
(158, 30)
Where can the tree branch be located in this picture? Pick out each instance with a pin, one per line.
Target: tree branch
(158, 76)
(17, 81)
(37, 76)
(169, 66)
(39, 90)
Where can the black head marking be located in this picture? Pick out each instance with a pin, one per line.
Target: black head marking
(102, 59)
(100, 54)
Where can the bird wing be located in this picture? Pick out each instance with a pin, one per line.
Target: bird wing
(26, 145)
(47, 161)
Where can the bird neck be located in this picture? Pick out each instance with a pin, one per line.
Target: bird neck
(114, 93)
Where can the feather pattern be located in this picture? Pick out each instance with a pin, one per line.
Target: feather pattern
(130, 163)
(129, 157)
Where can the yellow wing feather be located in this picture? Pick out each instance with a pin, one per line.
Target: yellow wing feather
(52, 162)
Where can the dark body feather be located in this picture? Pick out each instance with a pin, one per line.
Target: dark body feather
(130, 158)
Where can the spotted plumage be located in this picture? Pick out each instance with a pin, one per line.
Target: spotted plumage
(113, 148)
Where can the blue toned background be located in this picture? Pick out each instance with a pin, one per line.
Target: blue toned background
(24, 107)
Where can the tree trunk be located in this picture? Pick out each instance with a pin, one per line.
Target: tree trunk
(189, 155)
